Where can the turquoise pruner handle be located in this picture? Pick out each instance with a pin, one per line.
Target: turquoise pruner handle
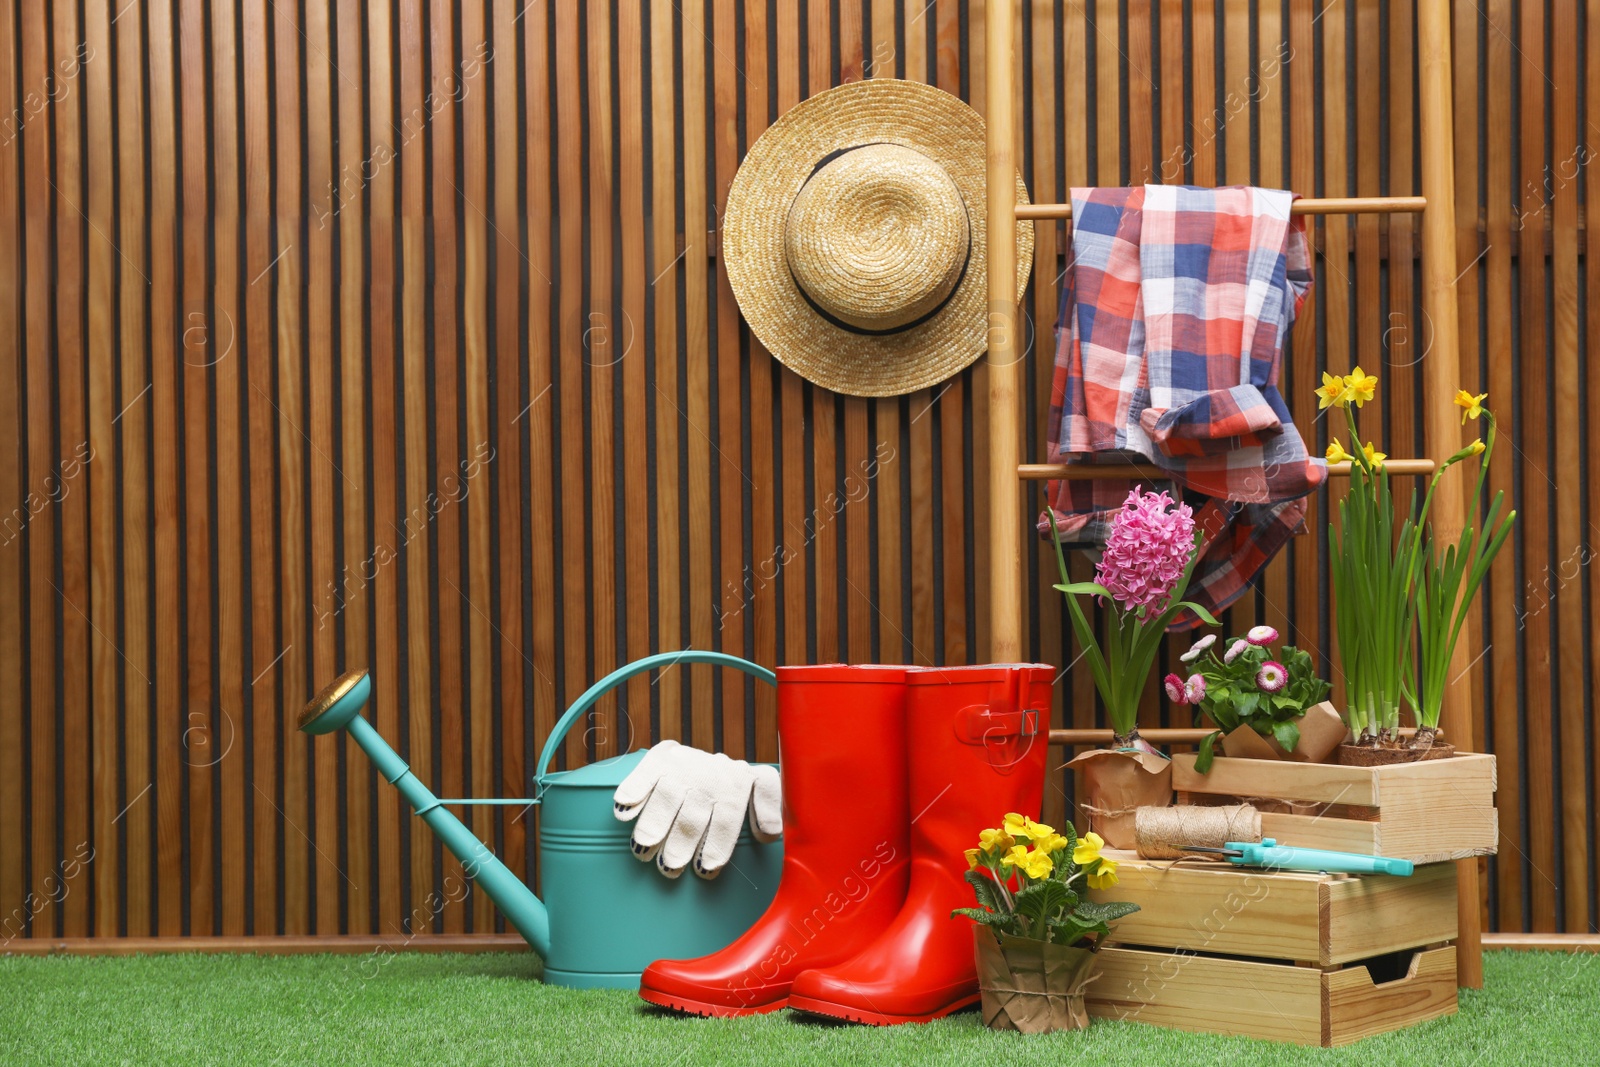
(1281, 857)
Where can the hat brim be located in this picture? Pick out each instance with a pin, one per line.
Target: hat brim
(835, 357)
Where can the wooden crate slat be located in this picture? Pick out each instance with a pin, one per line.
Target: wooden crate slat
(1354, 1008)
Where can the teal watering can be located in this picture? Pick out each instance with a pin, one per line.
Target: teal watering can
(605, 916)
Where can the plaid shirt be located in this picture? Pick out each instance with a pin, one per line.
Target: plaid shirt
(1175, 311)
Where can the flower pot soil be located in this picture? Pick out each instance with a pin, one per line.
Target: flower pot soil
(1367, 756)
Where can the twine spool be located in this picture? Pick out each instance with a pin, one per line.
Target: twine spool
(1163, 833)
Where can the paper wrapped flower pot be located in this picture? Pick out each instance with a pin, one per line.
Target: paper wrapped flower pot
(1321, 731)
(1031, 986)
(1117, 783)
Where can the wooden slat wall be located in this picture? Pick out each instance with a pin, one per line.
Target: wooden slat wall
(393, 334)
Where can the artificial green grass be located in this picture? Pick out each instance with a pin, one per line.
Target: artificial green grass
(431, 1010)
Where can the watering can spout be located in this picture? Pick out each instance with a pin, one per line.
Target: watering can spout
(339, 707)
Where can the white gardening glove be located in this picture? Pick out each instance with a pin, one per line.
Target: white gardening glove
(690, 805)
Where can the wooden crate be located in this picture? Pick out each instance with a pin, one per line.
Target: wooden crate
(1426, 812)
(1285, 955)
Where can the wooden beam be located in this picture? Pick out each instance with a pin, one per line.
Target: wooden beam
(1442, 375)
(1088, 472)
(1343, 205)
(1005, 371)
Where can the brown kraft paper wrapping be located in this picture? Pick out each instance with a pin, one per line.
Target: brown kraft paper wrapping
(1118, 783)
(1031, 986)
(1321, 732)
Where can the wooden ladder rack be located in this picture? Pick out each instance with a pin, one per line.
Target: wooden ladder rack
(1441, 371)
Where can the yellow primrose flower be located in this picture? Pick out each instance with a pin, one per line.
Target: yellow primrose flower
(1037, 865)
(1332, 392)
(1337, 454)
(972, 857)
(1088, 849)
(1471, 406)
(1374, 457)
(1105, 876)
(1053, 843)
(1361, 385)
(1022, 826)
(992, 841)
(1016, 856)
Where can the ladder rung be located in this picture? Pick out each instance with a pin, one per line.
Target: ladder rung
(1156, 736)
(1345, 205)
(1089, 472)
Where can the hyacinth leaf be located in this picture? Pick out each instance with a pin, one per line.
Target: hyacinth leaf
(1085, 589)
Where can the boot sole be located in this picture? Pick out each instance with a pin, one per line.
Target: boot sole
(853, 1014)
(707, 1009)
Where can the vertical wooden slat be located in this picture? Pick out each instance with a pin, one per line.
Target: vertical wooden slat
(167, 371)
(256, 329)
(1529, 439)
(1568, 141)
(102, 405)
(1503, 594)
(354, 593)
(14, 496)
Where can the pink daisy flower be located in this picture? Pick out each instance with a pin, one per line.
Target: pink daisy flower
(1271, 677)
(1194, 690)
(1174, 687)
(1198, 648)
(1261, 635)
(1234, 650)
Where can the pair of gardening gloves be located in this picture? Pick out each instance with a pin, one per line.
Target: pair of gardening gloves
(690, 805)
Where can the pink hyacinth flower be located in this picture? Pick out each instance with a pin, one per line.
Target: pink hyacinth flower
(1146, 552)
(1261, 635)
(1174, 687)
(1271, 677)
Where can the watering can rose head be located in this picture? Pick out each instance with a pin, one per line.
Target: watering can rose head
(1147, 551)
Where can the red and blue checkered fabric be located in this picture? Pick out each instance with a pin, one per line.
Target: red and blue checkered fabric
(1175, 310)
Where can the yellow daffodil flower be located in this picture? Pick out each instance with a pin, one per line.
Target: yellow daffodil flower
(1104, 876)
(1015, 856)
(1361, 385)
(1471, 406)
(992, 841)
(1476, 448)
(972, 857)
(1088, 849)
(1037, 865)
(1332, 392)
(1374, 457)
(1337, 454)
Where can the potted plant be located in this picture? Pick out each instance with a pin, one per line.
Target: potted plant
(1036, 934)
(1383, 573)
(1143, 571)
(1266, 705)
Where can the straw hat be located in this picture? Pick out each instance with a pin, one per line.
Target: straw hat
(854, 238)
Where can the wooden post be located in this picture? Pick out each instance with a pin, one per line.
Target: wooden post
(1442, 376)
(1005, 490)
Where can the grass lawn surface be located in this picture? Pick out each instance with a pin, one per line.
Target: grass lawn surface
(1537, 1008)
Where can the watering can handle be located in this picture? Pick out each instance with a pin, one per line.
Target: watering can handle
(622, 674)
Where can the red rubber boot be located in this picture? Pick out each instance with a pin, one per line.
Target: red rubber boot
(977, 738)
(841, 734)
